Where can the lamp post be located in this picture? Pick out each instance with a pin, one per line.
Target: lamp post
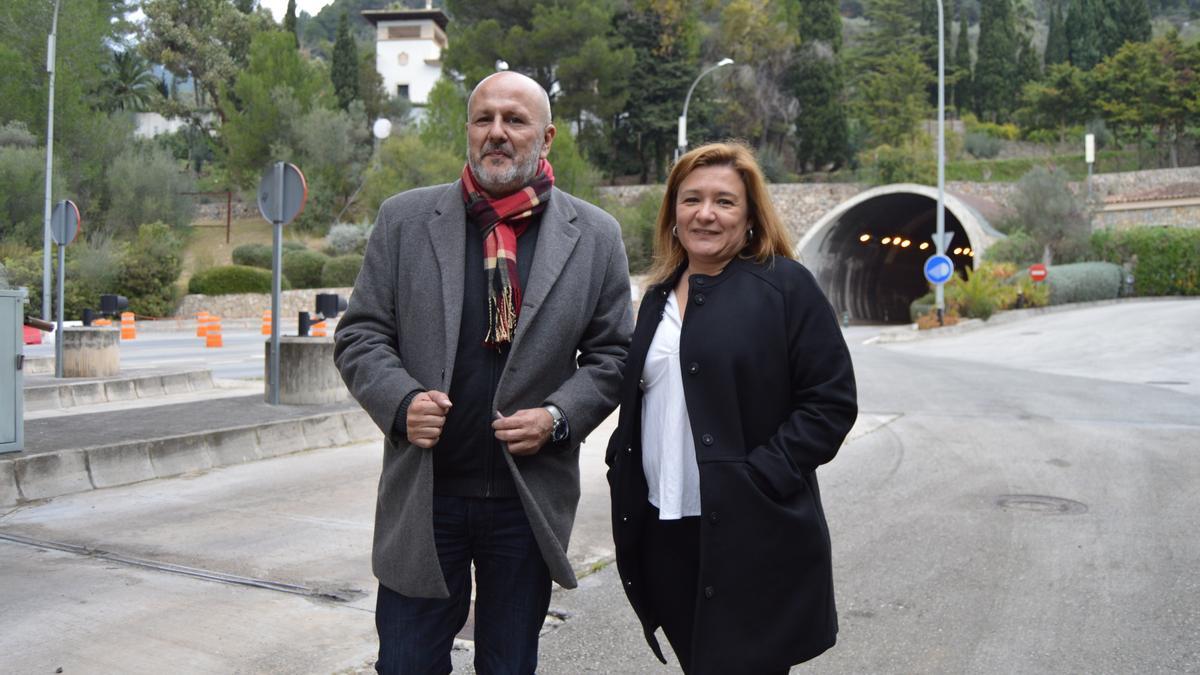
(940, 239)
(50, 48)
(682, 146)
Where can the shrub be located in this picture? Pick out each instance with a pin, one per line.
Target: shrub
(404, 162)
(1007, 132)
(292, 246)
(341, 271)
(1050, 211)
(151, 266)
(979, 295)
(912, 162)
(233, 279)
(922, 306)
(346, 238)
(1017, 248)
(253, 255)
(22, 185)
(982, 146)
(3, 278)
(637, 226)
(146, 185)
(1083, 282)
(303, 268)
(1165, 260)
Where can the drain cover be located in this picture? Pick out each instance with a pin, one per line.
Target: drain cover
(1050, 506)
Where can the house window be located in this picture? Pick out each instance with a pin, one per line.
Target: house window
(403, 32)
(402, 91)
(402, 59)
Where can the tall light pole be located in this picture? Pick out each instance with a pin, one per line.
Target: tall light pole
(50, 45)
(940, 239)
(682, 146)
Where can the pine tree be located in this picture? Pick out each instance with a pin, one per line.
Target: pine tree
(1133, 19)
(1056, 40)
(289, 21)
(1082, 29)
(963, 96)
(344, 69)
(1029, 66)
(816, 81)
(995, 82)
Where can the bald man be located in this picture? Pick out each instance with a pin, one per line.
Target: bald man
(485, 337)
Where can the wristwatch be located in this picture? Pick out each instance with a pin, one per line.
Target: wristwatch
(560, 430)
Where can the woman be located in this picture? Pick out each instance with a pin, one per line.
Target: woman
(738, 384)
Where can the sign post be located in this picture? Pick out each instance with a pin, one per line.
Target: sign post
(64, 227)
(1089, 155)
(281, 196)
(1037, 272)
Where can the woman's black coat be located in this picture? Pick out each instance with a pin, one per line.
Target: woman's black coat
(771, 396)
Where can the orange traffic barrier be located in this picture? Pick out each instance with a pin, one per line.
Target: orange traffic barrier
(128, 326)
(201, 323)
(102, 323)
(317, 329)
(266, 327)
(212, 336)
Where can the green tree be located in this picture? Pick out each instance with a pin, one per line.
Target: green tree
(1062, 99)
(1050, 212)
(289, 21)
(277, 87)
(133, 84)
(1029, 64)
(1056, 38)
(888, 95)
(1082, 29)
(821, 136)
(996, 76)
(444, 125)
(1132, 18)
(404, 162)
(757, 36)
(344, 71)
(963, 95)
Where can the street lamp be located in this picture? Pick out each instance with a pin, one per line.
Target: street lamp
(682, 147)
(940, 239)
(51, 43)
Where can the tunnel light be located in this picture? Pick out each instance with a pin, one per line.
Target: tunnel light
(906, 243)
(865, 238)
(967, 250)
(924, 245)
(958, 251)
(896, 241)
(886, 240)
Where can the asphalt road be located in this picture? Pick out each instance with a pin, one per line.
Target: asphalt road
(991, 515)
(242, 355)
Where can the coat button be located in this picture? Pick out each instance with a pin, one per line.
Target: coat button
(709, 591)
(693, 368)
(699, 300)
(629, 449)
(706, 439)
(700, 280)
(628, 582)
(713, 516)
(624, 519)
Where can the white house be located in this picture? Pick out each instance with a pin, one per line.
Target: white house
(408, 50)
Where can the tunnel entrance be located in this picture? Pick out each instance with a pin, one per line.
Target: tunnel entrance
(869, 252)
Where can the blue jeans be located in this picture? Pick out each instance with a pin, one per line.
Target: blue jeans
(513, 594)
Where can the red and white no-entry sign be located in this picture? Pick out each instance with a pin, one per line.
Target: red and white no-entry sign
(1037, 272)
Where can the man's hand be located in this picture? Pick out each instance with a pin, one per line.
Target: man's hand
(426, 417)
(525, 431)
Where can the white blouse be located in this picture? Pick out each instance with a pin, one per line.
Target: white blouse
(668, 451)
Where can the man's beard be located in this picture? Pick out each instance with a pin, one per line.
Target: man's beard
(499, 183)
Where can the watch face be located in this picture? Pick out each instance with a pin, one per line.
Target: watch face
(560, 430)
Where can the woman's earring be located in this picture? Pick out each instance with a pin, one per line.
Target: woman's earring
(675, 231)
(750, 234)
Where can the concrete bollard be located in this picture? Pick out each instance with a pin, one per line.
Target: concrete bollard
(307, 375)
(91, 351)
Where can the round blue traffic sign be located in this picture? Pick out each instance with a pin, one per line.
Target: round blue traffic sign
(938, 269)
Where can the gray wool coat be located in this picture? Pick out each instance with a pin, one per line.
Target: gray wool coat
(401, 332)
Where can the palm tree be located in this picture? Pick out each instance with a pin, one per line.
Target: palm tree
(134, 85)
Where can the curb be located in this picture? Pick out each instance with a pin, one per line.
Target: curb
(54, 474)
(66, 394)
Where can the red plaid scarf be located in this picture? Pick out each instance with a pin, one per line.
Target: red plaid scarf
(502, 221)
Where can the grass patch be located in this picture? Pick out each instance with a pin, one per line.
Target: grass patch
(206, 245)
(1011, 170)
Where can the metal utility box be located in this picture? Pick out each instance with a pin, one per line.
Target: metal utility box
(12, 347)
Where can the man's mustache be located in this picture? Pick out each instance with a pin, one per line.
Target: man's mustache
(502, 148)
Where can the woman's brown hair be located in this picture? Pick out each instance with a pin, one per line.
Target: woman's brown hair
(771, 237)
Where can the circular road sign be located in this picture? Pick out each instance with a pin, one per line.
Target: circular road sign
(64, 222)
(1037, 272)
(938, 269)
(282, 207)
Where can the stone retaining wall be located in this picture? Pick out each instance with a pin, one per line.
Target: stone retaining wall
(252, 305)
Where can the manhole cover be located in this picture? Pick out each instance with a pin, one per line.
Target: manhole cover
(1051, 506)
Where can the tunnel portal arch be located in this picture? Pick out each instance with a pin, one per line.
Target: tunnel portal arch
(859, 255)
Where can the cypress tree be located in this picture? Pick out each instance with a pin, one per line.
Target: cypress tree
(1133, 19)
(289, 21)
(1029, 66)
(822, 136)
(1082, 29)
(995, 82)
(1056, 39)
(962, 65)
(344, 69)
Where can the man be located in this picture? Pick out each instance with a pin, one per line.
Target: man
(485, 337)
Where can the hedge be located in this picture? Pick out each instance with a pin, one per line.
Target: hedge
(1167, 259)
(233, 279)
(303, 268)
(341, 271)
(1083, 282)
(253, 255)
